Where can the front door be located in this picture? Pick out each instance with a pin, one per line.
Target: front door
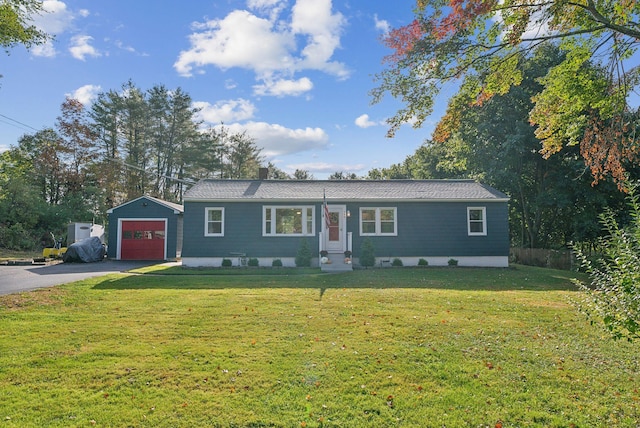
(335, 234)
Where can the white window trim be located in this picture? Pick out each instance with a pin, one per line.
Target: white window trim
(206, 221)
(307, 209)
(484, 221)
(378, 231)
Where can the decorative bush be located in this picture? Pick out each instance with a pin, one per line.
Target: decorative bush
(324, 253)
(303, 256)
(276, 263)
(452, 262)
(397, 262)
(423, 262)
(367, 253)
(226, 263)
(254, 262)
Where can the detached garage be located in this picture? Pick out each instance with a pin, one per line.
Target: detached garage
(145, 229)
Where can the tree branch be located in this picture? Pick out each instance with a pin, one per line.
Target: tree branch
(590, 7)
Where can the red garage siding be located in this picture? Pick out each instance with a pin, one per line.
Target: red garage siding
(143, 240)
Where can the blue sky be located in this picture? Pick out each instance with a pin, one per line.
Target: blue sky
(295, 74)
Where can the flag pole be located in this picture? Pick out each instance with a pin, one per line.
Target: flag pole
(325, 210)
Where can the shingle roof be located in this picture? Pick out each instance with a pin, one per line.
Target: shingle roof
(176, 207)
(310, 190)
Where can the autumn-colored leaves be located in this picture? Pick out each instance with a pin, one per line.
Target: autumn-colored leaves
(462, 15)
(583, 102)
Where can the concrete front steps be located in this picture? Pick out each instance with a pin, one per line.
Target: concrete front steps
(337, 264)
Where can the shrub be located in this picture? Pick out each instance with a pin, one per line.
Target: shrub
(423, 262)
(613, 298)
(452, 262)
(16, 237)
(254, 262)
(276, 263)
(303, 256)
(367, 253)
(397, 262)
(226, 263)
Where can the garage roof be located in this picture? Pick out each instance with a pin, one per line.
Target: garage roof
(177, 209)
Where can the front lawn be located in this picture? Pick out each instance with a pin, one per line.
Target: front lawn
(377, 348)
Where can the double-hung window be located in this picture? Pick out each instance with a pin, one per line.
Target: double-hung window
(288, 221)
(477, 221)
(214, 222)
(379, 221)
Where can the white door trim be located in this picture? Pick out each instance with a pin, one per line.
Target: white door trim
(340, 245)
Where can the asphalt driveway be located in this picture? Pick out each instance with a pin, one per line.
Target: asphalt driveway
(16, 279)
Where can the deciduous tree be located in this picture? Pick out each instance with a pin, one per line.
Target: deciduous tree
(16, 24)
(78, 141)
(584, 100)
(342, 175)
(552, 201)
(302, 174)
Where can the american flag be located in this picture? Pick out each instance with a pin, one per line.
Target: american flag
(327, 222)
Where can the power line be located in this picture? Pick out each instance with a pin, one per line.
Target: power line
(24, 125)
(12, 124)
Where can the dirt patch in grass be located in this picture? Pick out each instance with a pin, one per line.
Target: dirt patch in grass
(43, 297)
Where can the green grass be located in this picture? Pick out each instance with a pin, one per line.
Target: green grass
(380, 348)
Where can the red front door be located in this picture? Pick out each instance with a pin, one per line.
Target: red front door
(142, 240)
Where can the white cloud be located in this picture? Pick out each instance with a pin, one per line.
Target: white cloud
(263, 4)
(315, 19)
(225, 111)
(81, 47)
(86, 94)
(382, 25)
(242, 40)
(46, 50)
(277, 140)
(284, 87)
(327, 167)
(267, 45)
(124, 47)
(56, 18)
(271, 7)
(363, 121)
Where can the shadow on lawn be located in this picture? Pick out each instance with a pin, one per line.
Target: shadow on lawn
(489, 279)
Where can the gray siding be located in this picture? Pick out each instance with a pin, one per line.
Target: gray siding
(137, 210)
(437, 229)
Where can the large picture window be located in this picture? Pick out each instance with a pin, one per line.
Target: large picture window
(378, 221)
(288, 221)
(477, 221)
(214, 222)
